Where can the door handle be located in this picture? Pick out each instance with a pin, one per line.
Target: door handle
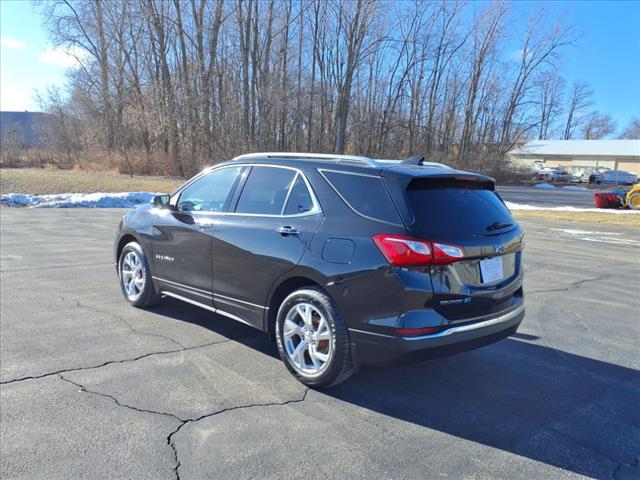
(287, 230)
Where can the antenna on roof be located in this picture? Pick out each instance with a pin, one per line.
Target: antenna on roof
(414, 160)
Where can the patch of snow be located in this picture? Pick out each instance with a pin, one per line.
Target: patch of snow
(71, 200)
(524, 206)
(575, 188)
(614, 241)
(544, 186)
(584, 232)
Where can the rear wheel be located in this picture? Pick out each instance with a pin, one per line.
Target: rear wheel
(135, 276)
(634, 201)
(312, 338)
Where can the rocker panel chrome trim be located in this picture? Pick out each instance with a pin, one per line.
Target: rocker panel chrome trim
(207, 307)
(194, 290)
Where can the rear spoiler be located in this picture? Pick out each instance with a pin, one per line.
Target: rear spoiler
(455, 179)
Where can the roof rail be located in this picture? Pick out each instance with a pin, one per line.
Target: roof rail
(370, 162)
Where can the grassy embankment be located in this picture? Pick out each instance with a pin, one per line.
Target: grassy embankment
(43, 181)
(596, 218)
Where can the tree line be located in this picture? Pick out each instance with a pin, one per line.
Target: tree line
(167, 86)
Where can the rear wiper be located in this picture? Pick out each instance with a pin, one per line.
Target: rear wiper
(498, 226)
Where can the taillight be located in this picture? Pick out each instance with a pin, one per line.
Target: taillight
(401, 251)
(446, 253)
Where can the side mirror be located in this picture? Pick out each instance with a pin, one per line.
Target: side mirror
(161, 201)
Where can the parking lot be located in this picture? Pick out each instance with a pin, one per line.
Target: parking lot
(558, 197)
(94, 388)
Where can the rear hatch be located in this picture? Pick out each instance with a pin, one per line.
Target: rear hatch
(464, 211)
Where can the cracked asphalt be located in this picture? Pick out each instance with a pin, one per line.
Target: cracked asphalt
(94, 388)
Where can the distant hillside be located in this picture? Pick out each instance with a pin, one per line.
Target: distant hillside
(28, 129)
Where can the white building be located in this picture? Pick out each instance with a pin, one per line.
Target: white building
(614, 154)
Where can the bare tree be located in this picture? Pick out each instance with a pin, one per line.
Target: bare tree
(549, 89)
(540, 49)
(632, 130)
(167, 86)
(598, 125)
(580, 98)
(353, 23)
(487, 30)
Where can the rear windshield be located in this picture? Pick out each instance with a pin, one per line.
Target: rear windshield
(459, 207)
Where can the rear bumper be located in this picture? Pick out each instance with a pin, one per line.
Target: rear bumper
(373, 348)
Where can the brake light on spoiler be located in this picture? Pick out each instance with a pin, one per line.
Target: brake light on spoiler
(402, 251)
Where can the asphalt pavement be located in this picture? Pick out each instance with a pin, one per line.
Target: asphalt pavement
(94, 388)
(557, 197)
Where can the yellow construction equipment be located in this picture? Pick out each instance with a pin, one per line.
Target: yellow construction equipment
(632, 198)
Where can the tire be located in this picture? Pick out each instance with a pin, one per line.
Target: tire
(322, 340)
(634, 201)
(133, 268)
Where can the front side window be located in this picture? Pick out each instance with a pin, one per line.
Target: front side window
(209, 193)
(265, 191)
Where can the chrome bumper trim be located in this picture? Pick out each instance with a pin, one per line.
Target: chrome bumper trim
(449, 331)
(471, 326)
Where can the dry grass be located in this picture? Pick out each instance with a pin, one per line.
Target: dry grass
(631, 220)
(45, 181)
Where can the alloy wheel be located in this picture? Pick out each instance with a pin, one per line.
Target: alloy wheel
(308, 339)
(132, 275)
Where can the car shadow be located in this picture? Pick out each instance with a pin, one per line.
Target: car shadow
(518, 395)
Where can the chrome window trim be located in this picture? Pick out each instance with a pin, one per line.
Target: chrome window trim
(322, 170)
(316, 204)
(317, 208)
(286, 199)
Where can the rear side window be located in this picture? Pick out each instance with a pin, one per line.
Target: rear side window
(265, 191)
(300, 200)
(456, 207)
(365, 194)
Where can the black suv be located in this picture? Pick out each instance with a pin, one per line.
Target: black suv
(345, 261)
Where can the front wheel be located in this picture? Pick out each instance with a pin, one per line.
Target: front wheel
(634, 201)
(312, 338)
(135, 277)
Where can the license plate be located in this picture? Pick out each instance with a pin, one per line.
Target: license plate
(491, 269)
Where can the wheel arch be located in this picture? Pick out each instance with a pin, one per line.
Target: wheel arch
(281, 291)
(124, 239)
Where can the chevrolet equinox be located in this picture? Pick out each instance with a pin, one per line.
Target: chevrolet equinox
(344, 261)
